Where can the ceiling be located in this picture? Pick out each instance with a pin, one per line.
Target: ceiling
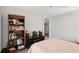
(46, 10)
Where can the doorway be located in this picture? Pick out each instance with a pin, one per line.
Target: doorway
(46, 27)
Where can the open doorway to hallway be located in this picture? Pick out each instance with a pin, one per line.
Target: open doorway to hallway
(46, 28)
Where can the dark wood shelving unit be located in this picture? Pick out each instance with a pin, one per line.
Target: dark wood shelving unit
(16, 33)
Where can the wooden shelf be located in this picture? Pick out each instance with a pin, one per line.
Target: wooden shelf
(16, 24)
(16, 31)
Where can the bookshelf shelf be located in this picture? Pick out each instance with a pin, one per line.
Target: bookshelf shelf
(16, 32)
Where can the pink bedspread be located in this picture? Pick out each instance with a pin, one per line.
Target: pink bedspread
(54, 46)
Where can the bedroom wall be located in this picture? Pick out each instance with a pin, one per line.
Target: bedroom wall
(66, 26)
(33, 21)
(0, 32)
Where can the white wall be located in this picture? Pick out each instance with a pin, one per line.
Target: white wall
(0, 32)
(66, 26)
(33, 21)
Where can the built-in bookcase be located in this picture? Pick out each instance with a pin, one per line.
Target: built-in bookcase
(16, 32)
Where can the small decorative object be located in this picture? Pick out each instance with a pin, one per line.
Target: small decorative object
(17, 22)
(11, 43)
(21, 47)
(19, 41)
(12, 49)
(10, 28)
(14, 21)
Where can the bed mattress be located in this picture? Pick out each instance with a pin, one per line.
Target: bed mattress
(54, 45)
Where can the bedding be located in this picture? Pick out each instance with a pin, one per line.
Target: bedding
(54, 45)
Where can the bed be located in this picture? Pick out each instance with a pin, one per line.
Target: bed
(54, 45)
